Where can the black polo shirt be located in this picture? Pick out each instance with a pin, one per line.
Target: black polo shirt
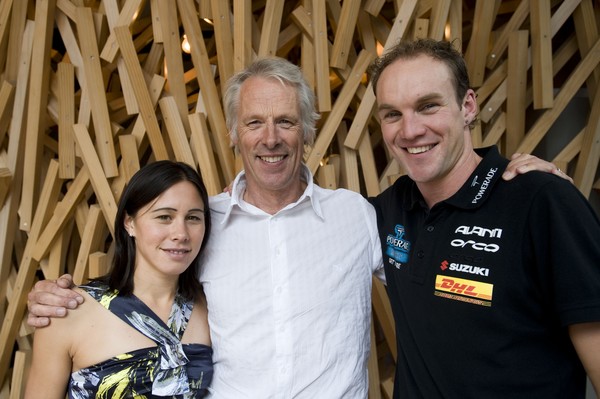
(484, 284)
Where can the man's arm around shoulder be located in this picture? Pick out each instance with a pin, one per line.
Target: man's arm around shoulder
(50, 298)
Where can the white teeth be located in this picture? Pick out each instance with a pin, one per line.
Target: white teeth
(181, 251)
(272, 159)
(418, 150)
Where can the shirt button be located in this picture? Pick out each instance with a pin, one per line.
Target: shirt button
(420, 254)
(430, 228)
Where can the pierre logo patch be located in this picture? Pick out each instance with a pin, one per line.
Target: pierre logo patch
(460, 289)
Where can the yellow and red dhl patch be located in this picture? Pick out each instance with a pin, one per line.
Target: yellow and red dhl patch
(464, 290)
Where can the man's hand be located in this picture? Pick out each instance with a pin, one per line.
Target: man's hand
(228, 188)
(523, 163)
(50, 298)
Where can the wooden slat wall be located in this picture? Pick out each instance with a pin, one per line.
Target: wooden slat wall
(105, 88)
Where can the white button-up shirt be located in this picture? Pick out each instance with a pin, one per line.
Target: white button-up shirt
(289, 295)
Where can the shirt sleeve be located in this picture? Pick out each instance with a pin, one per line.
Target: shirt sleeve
(371, 217)
(565, 237)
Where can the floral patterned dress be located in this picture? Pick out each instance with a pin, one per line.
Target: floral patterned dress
(169, 370)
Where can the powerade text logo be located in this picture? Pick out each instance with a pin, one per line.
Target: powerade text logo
(397, 247)
(484, 186)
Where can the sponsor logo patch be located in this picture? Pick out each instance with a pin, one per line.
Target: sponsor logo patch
(397, 247)
(463, 268)
(464, 290)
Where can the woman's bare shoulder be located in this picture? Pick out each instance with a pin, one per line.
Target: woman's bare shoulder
(197, 330)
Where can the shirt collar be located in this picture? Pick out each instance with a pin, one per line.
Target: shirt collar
(475, 190)
(478, 188)
(239, 187)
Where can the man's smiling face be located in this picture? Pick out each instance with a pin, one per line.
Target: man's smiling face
(422, 123)
(270, 138)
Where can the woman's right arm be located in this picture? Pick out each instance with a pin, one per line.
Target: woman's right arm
(51, 365)
(50, 298)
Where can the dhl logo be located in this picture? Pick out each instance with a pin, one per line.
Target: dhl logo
(474, 289)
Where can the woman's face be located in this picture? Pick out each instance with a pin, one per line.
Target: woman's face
(168, 231)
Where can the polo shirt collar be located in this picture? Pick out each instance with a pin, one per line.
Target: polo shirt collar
(239, 187)
(476, 189)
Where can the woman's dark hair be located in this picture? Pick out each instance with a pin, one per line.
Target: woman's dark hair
(146, 185)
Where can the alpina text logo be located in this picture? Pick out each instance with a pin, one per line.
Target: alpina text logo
(470, 288)
(479, 231)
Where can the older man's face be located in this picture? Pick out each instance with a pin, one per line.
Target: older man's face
(270, 138)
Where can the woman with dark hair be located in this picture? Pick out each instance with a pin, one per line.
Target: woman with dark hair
(143, 330)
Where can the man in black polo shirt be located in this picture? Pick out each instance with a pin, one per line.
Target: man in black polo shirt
(494, 285)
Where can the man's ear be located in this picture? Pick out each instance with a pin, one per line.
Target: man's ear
(470, 106)
(233, 139)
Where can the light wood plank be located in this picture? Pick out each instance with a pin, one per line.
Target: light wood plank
(270, 28)
(223, 38)
(501, 43)
(439, 16)
(172, 50)
(203, 152)
(130, 161)
(344, 34)
(99, 264)
(7, 95)
(92, 239)
(66, 115)
(207, 87)
(517, 88)
(401, 23)
(16, 148)
(61, 215)
(176, 131)
(341, 105)
(242, 34)
(37, 101)
(587, 164)
(541, 54)
(140, 89)
(485, 11)
(27, 268)
(95, 86)
(586, 29)
(101, 187)
(320, 43)
(579, 75)
(116, 18)
(18, 19)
